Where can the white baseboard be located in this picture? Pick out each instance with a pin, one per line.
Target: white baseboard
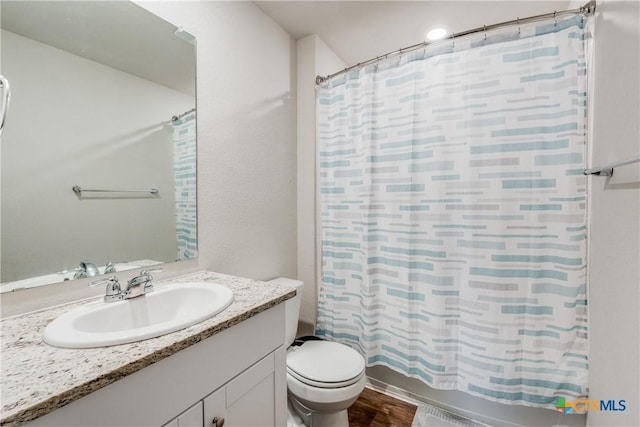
(393, 391)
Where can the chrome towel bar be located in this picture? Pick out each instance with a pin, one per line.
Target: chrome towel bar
(607, 170)
(78, 190)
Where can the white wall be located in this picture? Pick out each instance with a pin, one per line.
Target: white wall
(614, 235)
(246, 137)
(77, 122)
(314, 58)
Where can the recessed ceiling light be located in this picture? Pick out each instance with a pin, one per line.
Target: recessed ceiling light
(436, 34)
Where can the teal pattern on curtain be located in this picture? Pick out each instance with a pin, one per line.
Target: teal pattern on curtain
(184, 168)
(453, 217)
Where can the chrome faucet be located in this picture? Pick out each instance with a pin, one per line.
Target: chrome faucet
(86, 269)
(136, 287)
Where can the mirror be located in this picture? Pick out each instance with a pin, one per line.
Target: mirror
(94, 88)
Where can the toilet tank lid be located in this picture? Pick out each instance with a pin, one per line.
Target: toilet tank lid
(285, 281)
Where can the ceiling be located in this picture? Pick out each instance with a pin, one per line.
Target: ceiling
(118, 34)
(360, 30)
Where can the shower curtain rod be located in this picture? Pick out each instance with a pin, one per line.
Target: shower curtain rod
(586, 10)
(607, 170)
(179, 116)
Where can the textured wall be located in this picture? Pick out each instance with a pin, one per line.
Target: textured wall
(614, 234)
(314, 58)
(246, 137)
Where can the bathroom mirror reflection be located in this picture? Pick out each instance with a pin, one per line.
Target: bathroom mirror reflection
(95, 86)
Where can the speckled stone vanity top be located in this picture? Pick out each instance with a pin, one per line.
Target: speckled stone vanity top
(38, 379)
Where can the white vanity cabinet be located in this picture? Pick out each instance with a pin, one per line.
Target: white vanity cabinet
(238, 375)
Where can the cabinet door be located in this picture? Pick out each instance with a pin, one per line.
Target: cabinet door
(246, 401)
(192, 417)
(255, 408)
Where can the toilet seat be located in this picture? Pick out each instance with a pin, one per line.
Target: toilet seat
(336, 384)
(325, 399)
(325, 364)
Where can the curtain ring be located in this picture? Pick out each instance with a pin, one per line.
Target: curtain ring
(484, 28)
(453, 40)
(518, 22)
(555, 21)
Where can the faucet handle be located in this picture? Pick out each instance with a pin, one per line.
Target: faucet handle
(114, 292)
(103, 281)
(148, 287)
(111, 266)
(147, 272)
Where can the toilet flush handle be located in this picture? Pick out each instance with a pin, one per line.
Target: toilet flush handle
(217, 422)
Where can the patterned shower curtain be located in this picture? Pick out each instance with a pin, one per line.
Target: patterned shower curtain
(184, 168)
(453, 218)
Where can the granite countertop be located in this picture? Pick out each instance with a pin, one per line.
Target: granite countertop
(38, 379)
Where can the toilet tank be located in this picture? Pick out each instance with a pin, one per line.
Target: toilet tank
(292, 307)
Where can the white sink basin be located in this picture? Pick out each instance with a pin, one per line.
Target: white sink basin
(165, 310)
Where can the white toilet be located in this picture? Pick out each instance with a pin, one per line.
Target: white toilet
(323, 378)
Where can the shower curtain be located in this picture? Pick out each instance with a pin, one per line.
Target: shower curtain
(452, 217)
(184, 168)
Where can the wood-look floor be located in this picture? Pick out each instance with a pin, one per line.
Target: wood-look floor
(373, 409)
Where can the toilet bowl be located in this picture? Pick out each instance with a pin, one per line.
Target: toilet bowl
(324, 378)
